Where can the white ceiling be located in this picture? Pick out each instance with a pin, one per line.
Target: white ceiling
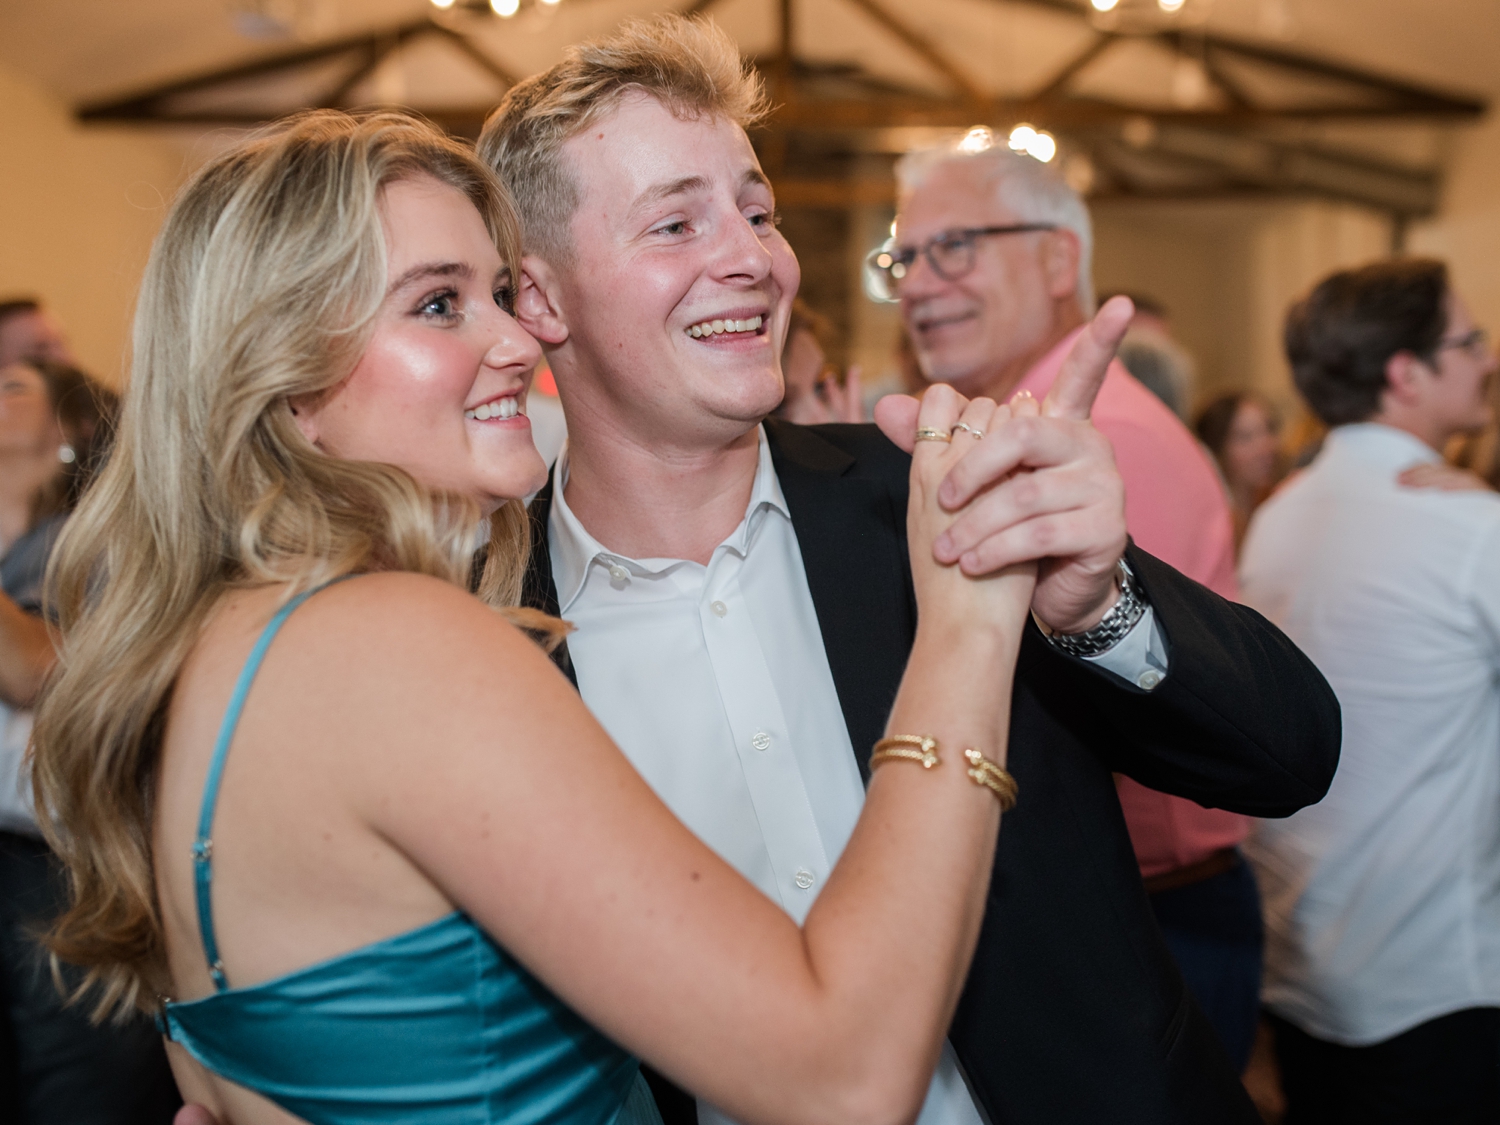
(88, 49)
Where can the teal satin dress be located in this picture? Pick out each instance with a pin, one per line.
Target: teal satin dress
(438, 1025)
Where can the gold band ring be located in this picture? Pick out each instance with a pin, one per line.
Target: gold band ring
(968, 429)
(927, 433)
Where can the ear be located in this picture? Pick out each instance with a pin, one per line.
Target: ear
(539, 302)
(1405, 378)
(305, 414)
(1060, 258)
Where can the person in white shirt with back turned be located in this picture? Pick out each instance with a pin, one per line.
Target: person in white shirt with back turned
(1382, 902)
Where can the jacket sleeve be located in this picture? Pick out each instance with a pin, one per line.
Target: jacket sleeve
(1243, 720)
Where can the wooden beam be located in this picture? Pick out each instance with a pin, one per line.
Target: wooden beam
(834, 193)
(377, 53)
(922, 47)
(697, 8)
(141, 104)
(468, 47)
(1058, 81)
(1232, 89)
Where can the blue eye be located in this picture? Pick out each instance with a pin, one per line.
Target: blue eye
(439, 305)
(766, 220)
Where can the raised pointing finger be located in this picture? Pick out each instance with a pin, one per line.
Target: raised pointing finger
(1082, 374)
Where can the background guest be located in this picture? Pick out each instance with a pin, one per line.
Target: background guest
(54, 1066)
(995, 287)
(1382, 918)
(814, 391)
(1243, 432)
(29, 331)
(1161, 364)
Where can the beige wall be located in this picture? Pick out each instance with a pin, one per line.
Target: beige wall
(1227, 271)
(1466, 230)
(78, 210)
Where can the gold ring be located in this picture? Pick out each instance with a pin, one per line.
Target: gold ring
(927, 433)
(968, 429)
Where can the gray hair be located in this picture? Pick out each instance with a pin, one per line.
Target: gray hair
(1029, 189)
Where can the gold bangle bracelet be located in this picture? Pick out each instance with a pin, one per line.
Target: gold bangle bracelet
(921, 748)
(998, 781)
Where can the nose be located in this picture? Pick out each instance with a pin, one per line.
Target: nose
(509, 345)
(742, 253)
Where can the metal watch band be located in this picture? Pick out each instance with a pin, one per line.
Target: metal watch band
(1121, 618)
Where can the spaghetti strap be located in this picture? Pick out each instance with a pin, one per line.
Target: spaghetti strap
(203, 844)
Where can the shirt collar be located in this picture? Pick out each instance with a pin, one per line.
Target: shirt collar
(1381, 445)
(574, 551)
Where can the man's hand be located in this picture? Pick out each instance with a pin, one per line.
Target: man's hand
(1042, 489)
(1443, 477)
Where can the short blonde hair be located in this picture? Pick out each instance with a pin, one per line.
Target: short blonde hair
(688, 65)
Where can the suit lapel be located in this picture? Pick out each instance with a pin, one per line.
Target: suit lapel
(851, 529)
(538, 588)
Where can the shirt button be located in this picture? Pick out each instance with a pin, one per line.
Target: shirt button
(1149, 678)
(761, 741)
(719, 608)
(618, 573)
(804, 878)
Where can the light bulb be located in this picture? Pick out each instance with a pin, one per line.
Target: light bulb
(505, 8)
(444, 5)
(1170, 5)
(552, 3)
(1043, 146)
(1021, 137)
(977, 139)
(1104, 5)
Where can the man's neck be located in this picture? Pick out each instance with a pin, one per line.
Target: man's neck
(1001, 384)
(1433, 436)
(645, 501)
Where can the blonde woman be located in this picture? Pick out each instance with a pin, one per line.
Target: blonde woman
(359, 844)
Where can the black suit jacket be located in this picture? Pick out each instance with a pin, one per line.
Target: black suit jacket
(1074, 1011)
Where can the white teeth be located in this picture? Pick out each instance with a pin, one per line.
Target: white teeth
(500, 408)
(720, 327)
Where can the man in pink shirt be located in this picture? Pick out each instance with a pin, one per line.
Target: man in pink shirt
(991, 265)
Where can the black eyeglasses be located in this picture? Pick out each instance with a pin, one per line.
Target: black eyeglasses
(1475, 343)
(950, 253)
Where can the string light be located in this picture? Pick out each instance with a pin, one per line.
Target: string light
(977, 139)
(442, 5)
(1170, 6)
(1104, 5)
(1037, 143)
(505, 8)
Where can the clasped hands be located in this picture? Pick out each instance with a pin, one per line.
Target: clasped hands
(1039, 487)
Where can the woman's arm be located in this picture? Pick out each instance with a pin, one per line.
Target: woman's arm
(469, 753)
(26, 654)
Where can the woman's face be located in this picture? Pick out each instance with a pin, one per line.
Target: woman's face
(440, 390)
(28, 422)
(1250, 448)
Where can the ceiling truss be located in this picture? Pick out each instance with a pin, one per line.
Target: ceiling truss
(1232, 143)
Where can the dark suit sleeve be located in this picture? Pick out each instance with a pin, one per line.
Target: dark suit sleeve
(1243, 720)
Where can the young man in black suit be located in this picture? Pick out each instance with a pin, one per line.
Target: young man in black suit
(744, 607)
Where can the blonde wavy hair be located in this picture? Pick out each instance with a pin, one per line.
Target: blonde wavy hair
(263, 285)
(689, 65)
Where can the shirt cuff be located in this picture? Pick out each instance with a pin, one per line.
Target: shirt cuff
(1140, 657)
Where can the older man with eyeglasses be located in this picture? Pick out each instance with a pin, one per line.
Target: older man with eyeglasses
(991, 267)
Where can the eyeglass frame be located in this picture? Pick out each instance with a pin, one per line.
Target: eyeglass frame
(969, 236)
(1473, 343)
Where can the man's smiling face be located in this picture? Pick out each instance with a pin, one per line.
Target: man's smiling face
(679, 285)
(969, 330)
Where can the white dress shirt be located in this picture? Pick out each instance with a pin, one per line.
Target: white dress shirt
(714, 682)
(1382, 902)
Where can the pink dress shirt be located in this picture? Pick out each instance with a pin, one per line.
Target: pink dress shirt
(1175, 508)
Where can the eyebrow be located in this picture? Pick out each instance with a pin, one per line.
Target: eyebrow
(690, 184)
(429, 269)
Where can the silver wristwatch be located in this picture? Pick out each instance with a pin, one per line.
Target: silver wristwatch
(1121, 618)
